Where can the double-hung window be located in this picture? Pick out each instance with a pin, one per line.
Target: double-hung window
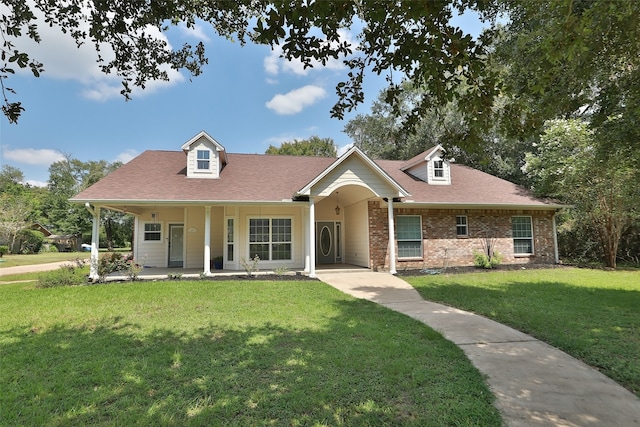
(438, 169)
(462, 226)
(270, 238)
(409, 236)
(204, 159)
(522, 232)
(152, 232)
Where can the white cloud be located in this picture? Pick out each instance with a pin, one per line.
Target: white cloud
(344, 149)
(197, 32)
(295, 101)
(32, 156)
(126, 155)
(63, 59)
(274, 63)
(35, 183)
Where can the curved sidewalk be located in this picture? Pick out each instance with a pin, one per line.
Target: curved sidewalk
(534, 384)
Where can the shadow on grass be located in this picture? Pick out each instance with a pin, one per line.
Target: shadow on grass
(596, 324)
(369, 367)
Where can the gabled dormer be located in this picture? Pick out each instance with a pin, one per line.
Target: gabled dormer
(205, 156)
(429, 166)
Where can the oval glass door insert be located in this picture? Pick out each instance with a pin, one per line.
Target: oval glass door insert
(325, 241)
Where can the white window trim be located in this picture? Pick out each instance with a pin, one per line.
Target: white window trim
(443, 169)
(270, 242)
(235, 239)
(466, 226)
(533, 248)
(144, 232)
(412, 240)
(210, 159)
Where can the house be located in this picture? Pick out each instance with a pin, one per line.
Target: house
(202, 202)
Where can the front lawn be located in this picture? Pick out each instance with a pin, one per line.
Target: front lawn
(593, 315)
(243, 353)
(12, 260)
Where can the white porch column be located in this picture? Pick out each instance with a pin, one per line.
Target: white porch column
(312, 238)
(207, 240)
(307, 229)
(95, 242)
(392, 242)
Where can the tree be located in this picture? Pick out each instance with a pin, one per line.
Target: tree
(381, 135)
(573, 58)
(11, 180)
(66, 178)
(602, 191)
(14, 216)
(314, 146)
(415, 39)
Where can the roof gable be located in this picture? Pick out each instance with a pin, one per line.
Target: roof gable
(336, 175)
(186, 147)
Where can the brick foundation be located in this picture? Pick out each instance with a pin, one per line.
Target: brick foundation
(441, 246)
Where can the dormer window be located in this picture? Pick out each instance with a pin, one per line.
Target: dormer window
(430, 167)
(438, 169)
(204, 159)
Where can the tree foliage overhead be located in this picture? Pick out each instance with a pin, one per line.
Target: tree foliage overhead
(415, 39)
(567, 58)
(314, 146)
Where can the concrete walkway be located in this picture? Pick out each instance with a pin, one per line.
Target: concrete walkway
(534, 384)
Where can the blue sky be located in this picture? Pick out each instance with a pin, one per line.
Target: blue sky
(247, 99)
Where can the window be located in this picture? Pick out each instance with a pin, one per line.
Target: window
(522, 232)
(230, 239)
(462, 228)
(409, 235)
(438, 169)
(203, 159)
(270, 238)
(152, 232)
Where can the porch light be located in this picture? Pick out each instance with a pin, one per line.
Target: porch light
(337, 205)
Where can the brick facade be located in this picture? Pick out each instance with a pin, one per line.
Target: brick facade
(442, 247)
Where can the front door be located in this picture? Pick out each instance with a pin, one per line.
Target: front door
(325, 242)
(176, 245)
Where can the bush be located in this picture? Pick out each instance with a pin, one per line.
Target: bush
(66, 275)
(482, 260)
(48, 248)
(110, 263)
(3, 250)
(32, 241)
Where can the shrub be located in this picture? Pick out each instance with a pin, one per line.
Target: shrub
(250, 265)
(110, 263)
(49, 247)
(32, 241)
(3, 250)
(482, 260)
(133, 269)
(66, 275)
(281, 271)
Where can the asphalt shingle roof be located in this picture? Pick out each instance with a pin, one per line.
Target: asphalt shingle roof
(161, 176)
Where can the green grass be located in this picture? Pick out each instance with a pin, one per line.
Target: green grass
(591, 314)
(12, 260)
(246, 353)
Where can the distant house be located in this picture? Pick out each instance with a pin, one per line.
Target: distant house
(301, 212)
